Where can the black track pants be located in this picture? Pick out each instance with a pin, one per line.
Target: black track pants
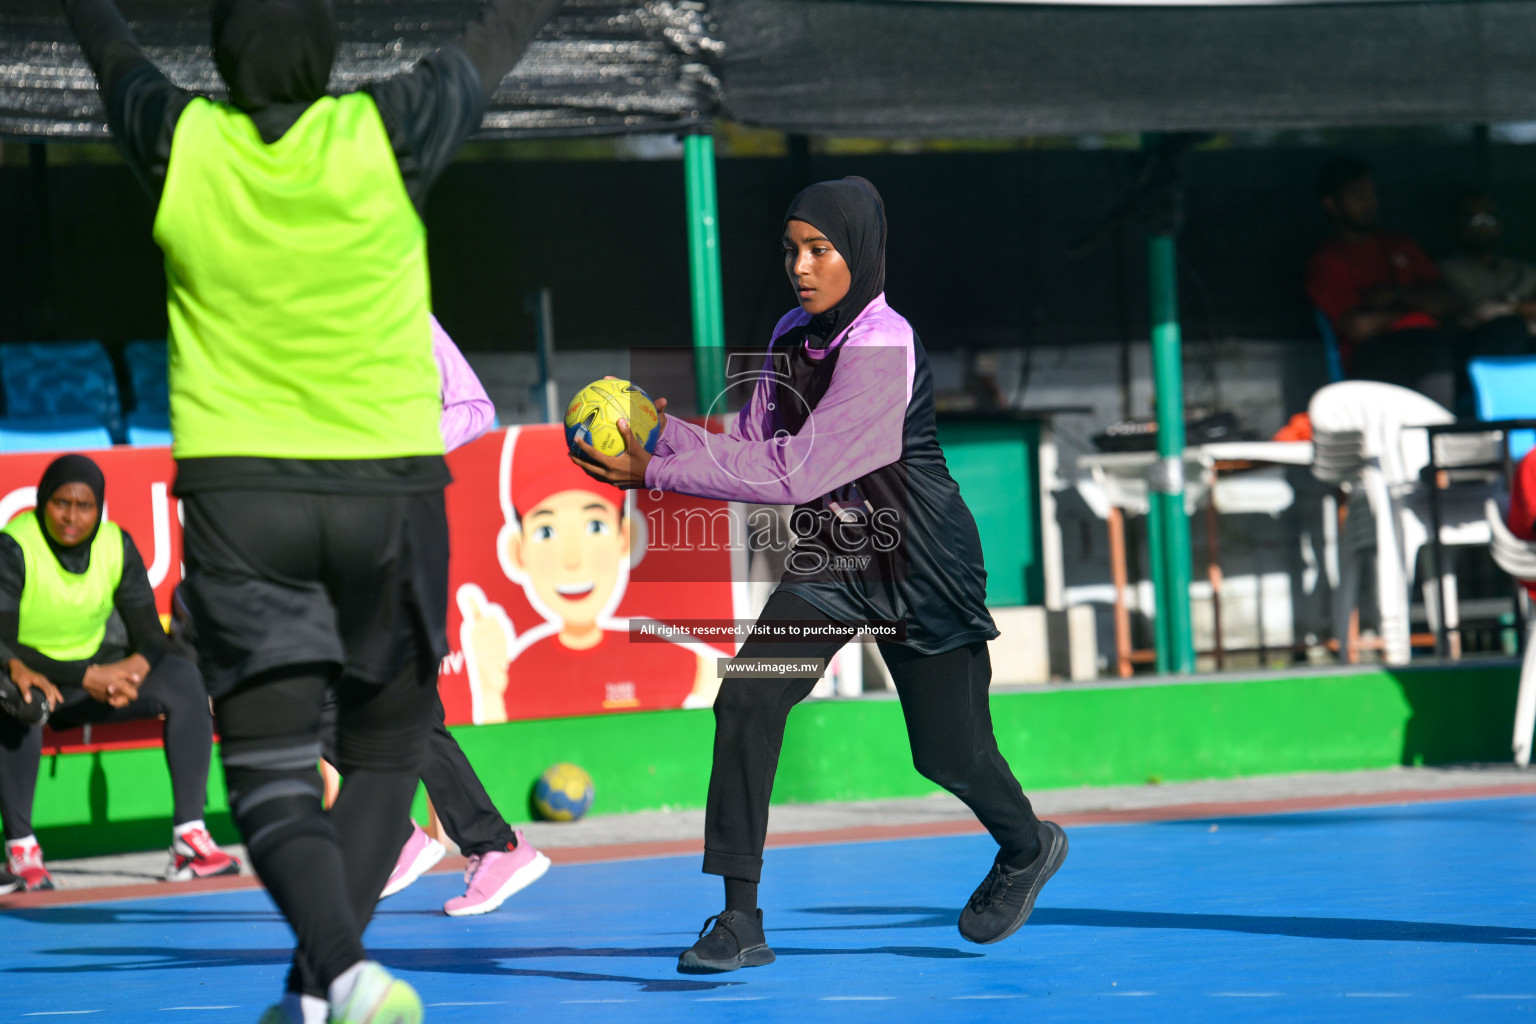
(173, 689)
(949, 724)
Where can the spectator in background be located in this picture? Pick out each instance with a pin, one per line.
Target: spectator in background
(65, 571)
(1489, 287)
(1385, 298)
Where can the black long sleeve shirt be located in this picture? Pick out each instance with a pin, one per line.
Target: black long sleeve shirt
(134, 601)
(428, 113)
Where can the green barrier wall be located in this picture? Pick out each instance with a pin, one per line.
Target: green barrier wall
(1055, 737)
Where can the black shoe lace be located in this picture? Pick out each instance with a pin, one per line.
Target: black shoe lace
(719, 920)
(992, 889)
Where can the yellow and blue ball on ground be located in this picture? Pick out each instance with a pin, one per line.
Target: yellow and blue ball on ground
(593, 416)
(563, 793)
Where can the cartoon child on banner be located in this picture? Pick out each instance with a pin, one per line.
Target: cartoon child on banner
(570, 542)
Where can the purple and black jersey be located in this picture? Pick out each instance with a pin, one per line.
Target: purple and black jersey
(847, 435)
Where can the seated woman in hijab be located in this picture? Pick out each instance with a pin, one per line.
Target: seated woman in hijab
(64, 571)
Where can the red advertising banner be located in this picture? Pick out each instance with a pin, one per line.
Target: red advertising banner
(550, 575)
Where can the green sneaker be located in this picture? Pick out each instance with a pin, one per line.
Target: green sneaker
(378, 997)
(278, 1013)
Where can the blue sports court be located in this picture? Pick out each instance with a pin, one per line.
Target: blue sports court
(1397, 913)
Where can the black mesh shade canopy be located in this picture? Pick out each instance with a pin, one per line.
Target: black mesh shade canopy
(893, 68)
(914, 69)
(601, 66)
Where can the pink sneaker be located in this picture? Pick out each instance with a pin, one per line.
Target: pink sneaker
(417, 857)
(194, 854)
(25, 858)
(492, 877)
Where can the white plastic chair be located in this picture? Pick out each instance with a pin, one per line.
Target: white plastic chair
(1364, 438)
(1518, 558)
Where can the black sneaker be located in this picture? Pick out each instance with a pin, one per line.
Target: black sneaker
(9, 883)
(1003, 900)
(736, 941)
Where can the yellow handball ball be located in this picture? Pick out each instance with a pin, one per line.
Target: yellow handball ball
(563, 793)
(594, 413)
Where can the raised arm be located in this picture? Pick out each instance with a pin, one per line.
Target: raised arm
(142, 104)
(433, 109)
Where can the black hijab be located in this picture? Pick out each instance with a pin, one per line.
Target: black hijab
(273, 52)
(851, 214)
(72, 469)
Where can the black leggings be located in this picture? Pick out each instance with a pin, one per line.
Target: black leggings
(284, 589)
(459, 797)
(949, 724)
(173, 688)
(324, 870)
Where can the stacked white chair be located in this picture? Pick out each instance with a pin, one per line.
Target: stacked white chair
(1365, 440)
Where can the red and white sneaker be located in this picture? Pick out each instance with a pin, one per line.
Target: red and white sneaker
(194, 854)
(26, 863)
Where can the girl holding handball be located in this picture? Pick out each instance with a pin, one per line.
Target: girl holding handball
(840, 424)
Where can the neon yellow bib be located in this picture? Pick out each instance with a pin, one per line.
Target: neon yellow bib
(63, 614)
(297, 289)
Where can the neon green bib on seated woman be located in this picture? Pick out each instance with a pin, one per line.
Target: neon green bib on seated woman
(297, 289)
(64, 614)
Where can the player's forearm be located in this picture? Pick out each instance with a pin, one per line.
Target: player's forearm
(60, 673)
(788, 471)
(681, 436)
(109, 46)
(467, 410)
(466, 420)
(498, 36)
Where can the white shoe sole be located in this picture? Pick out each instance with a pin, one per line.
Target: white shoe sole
(521, 879)
(425, 861)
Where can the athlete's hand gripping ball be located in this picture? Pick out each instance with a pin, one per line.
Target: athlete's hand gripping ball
(612, 427)
(594, 414)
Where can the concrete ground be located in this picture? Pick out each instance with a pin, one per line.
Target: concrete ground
(662, 826)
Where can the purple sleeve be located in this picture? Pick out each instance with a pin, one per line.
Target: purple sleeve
(467, 410)
(751, 424)
(856, 428)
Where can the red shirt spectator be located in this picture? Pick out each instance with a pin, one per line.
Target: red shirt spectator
(1345, 270)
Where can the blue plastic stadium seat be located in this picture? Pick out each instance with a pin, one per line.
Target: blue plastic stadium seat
(1505, 389)
(149, 429)
(1330, 346)
(52, 434)
(147, 377)
(60, 378)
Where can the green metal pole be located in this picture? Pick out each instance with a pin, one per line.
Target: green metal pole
(704, 268)
(1157, 561)
(1167, 481)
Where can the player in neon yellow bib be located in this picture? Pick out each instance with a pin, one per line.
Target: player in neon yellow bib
(304, 411)
(65, 572)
